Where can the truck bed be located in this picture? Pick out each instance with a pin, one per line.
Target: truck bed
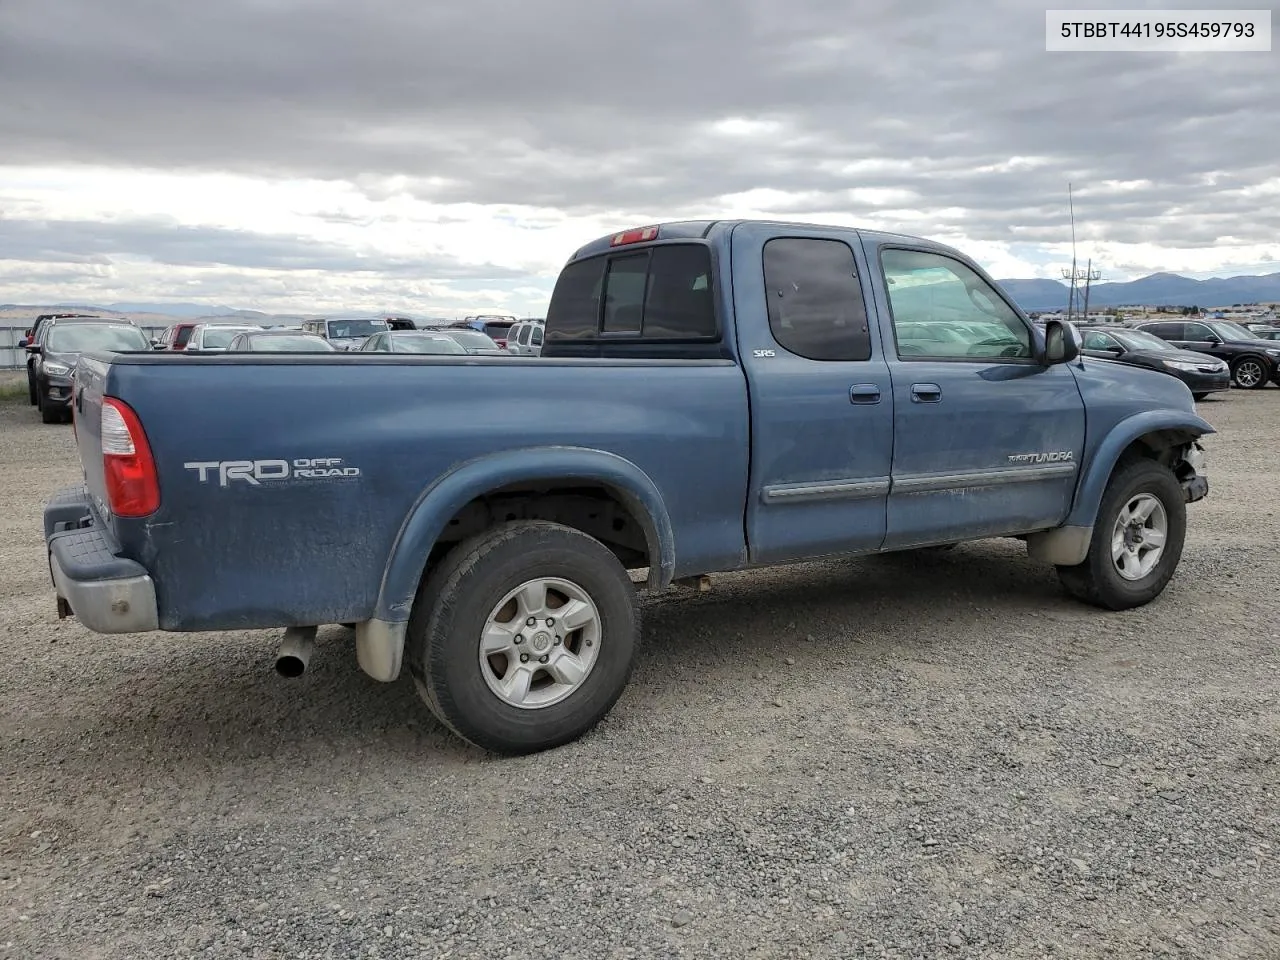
(361, 438)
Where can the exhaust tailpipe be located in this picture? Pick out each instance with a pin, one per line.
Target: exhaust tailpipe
(295, 651)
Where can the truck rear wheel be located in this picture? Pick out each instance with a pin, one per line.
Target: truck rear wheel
(522, 639)
(1137, 539)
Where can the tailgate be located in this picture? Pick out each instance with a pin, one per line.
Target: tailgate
(90, 378)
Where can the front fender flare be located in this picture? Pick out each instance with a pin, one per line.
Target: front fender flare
(1093, 481)
(451, 492)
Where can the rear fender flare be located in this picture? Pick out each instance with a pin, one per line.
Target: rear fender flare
(441, 501)
(1093, 481)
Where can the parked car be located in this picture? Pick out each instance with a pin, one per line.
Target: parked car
(413, 341)
(494, 327)
(750, 405)
(525, 338)
(1202, 374)
(1253, 362)
(1265, 333)
(473, 341)
(279, 340)
(208, 337)
(401, 323)
(59, 345)
(177, 337)
(33, 337)
(346, 334)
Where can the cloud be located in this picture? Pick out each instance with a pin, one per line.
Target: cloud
(397, 135)
(97, 242)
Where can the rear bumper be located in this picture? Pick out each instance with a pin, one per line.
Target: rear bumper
(104, 591)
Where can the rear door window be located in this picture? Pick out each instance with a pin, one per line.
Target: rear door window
(815, 300)
(183, 336)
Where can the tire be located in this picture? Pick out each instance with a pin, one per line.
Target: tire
(31, 386)
(1249, 373)
(463, 596)
(1098, 581)
(48, 413)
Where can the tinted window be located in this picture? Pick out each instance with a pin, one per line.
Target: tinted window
(662, 294)
(574, 310)
(815, 299)
(1167, 331)
(183, 336)
(497, 331)
(928, 288)
(524, 336)
(624, 289)
(678, 302)
(1195, 331)
(536, 338)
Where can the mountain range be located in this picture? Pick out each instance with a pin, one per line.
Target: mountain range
(1037, 294)
(1169, 289)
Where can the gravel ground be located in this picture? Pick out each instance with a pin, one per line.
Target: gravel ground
(881, 758)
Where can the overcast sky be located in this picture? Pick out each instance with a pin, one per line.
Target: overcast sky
(445, 157)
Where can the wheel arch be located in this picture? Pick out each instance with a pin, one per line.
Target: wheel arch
(535, 473)
(1154, 435)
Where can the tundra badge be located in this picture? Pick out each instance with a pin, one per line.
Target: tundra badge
(1056, 456)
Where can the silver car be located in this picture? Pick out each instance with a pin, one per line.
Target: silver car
(525, 339)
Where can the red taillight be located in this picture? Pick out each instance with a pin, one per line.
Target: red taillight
(133, 489)
(639, 235)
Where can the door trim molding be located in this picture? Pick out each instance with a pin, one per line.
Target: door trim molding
(808, 492)
(869, 488)
(934, 482)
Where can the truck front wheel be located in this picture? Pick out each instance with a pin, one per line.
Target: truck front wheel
(1137, 539)
(522, 639)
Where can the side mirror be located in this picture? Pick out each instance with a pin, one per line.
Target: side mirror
(32, 347)
(22, 343)
(1061, 342)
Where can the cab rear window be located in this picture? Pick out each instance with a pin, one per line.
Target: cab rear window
(663, 293)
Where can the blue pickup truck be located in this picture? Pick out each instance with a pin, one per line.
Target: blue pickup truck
(712, 396)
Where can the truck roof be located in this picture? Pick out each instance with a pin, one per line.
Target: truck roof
(700, 229)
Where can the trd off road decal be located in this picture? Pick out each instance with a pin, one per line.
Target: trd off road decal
(258, 472)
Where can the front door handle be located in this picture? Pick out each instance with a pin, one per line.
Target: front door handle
(864, 393)
(926, 392)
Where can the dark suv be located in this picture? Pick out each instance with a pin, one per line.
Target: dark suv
(31, 335)
(58, 345)
(1253, 362)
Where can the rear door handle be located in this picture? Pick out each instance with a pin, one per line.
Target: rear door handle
(926, 392)
(864, 393)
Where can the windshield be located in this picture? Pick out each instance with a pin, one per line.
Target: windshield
(355, 329)
(425, 344)
(1141, 340)
(220, 336)
(1230, 331)
(472, 339)
(290, 344)
(79, 337)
